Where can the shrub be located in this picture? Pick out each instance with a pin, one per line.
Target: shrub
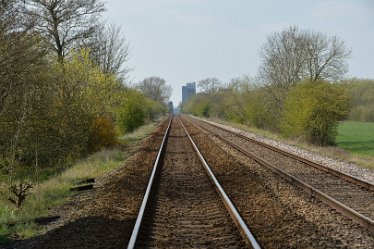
(198, 105)
(132, 113)
(312, 111)
(102, 134)
(234, 107)
(257, 110)
(153, 109)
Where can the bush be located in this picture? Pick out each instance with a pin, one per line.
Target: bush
(153, 109)
(234, 107)
(257, 110)
(210, 104)
(198, 105)
(132, 113)
(312, 111)
(102, 134)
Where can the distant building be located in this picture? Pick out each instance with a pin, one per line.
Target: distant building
(171, 107)
(188, 90)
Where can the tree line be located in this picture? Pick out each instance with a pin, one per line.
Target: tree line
(362, 99)
(300, 90)
(63, 86)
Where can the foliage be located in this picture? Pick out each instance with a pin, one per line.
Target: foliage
(102, 134)
(241, 102)
(61, 89)
(155, 88)
(312, 111)
(136, 109)
(46, 107)
(64, 111)
(110, 51)
(153, 109)
(54, 113)
(294, 55)
(198, 105)
(257, 108)
(59, 125)
(54, 192)
(64, 25)
(362, 99)
(209, 85)
(237, 98)
(22, 70)
(99, 92)
(235, 107)
(132, 114)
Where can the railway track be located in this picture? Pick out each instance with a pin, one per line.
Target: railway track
(350, 196)
(184, 206)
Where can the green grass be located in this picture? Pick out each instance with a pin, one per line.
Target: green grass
(356, 137)
(55, 190)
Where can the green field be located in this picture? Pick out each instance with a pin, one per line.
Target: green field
(356, 137)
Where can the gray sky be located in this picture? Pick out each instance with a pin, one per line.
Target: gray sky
(189, 40)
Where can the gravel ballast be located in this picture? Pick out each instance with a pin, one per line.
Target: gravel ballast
(364, 174)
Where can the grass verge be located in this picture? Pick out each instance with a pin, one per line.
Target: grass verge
(55, 190)
(361, 136)
(138, 134)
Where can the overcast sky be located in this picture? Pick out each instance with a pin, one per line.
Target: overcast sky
(189, 40)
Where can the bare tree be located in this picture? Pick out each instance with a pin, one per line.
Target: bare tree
(155, 88)
(21, 55)
(111, 51)
(325, 57)
(209, 85)
(283, 57)
(293, 55)
(8, 14)
(64, 24)
(21, 62)
(242, 84)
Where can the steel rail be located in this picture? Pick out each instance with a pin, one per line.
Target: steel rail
(349, 212)
(339, 174)
(243, 228)
(139, 218)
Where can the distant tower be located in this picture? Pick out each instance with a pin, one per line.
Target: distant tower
(188, 90)
(171, 107)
